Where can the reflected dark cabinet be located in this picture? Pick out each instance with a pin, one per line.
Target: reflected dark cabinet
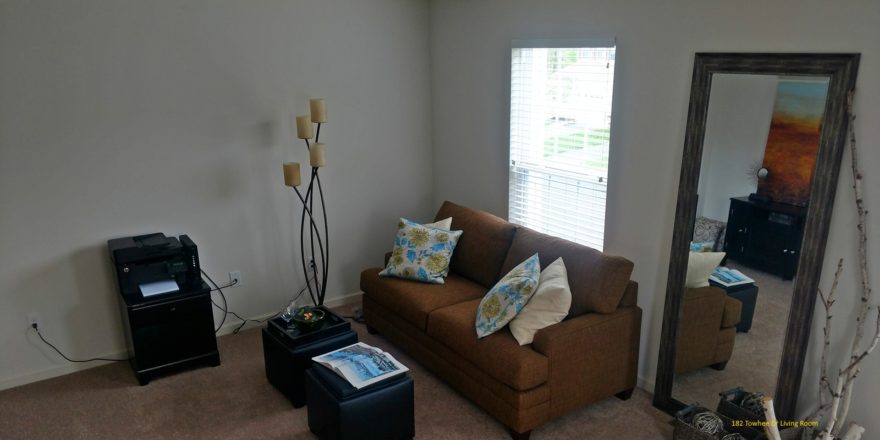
(765, 236)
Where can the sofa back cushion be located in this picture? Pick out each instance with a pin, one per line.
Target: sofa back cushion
(483, 245)
(597, 280)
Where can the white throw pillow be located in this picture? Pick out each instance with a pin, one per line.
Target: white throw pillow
(549, 305)
(446, 223)
(700, 266)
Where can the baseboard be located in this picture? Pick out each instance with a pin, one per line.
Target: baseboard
(228, 328)
(59, 370)
(351, 298)
(645, 384)
(233, 323)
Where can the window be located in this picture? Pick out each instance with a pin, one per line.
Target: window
(560, 124)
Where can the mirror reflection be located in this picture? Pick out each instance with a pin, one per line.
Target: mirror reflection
(759, 154)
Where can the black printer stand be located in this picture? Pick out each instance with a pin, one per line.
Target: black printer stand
(170, 332)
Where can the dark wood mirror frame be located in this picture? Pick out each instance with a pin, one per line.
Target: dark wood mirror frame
(842, 70)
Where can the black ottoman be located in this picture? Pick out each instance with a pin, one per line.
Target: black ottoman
(747, 294)
(287, 357)
(337, 410)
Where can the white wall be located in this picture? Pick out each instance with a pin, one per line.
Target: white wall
(737, 124)
(656, 42)
(127, 117)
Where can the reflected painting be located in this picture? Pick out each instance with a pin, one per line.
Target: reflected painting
(793, 140)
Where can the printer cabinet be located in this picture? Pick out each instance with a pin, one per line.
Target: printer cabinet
(170, 333)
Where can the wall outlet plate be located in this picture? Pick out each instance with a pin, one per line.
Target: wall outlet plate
(235, 275)
(34, 318)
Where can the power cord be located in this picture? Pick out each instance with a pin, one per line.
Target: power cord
(37, 329)
(225, 310)
(216, 288)
(225, 307)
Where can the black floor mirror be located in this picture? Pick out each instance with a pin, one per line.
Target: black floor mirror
(765, 137)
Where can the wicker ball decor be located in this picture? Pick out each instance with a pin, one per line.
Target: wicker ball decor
(708, 422)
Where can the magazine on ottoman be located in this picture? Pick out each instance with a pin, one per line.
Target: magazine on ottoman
(729, 277)
(361, 364)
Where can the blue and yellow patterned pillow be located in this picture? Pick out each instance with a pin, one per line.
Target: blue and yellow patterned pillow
(421, 252)
(703, 246)
(508, 297)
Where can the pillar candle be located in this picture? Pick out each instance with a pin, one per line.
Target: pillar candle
(291, 174)
(318, 155)
(318, 110)
(303, 127)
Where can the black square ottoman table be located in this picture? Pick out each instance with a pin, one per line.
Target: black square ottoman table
(288, 351)
(339, 411)
(747, 294)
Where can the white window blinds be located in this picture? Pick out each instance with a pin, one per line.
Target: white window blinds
(560, 121)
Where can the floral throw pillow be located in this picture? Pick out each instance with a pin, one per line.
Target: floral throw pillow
(508, 297)
(703, 246)
(421, 252)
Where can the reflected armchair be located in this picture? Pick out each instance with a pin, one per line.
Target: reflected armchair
(708, 329)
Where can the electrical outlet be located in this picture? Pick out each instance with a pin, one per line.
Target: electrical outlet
(311, 261)
(34, 318)
(233, 276)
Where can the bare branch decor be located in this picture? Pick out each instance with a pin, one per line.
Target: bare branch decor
(771, 429)
(835, 395)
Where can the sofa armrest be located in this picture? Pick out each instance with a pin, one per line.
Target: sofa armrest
(732, 312)
(630, 295)
(702, 315)
(591, 357)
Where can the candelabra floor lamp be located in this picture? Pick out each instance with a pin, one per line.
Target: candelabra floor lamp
(314, 265)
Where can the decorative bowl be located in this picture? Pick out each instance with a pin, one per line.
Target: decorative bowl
(308, 318)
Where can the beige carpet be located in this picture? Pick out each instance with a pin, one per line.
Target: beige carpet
(756, 354)
(234, 401)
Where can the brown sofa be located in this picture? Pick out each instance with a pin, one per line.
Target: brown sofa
(708, 329)
(591, 355)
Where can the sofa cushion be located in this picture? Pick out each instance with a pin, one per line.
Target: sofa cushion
(413, 301)
(498, 355)
(597, 280)
(421, 252)
(508, 297)
(481, 249)
(440, 359)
